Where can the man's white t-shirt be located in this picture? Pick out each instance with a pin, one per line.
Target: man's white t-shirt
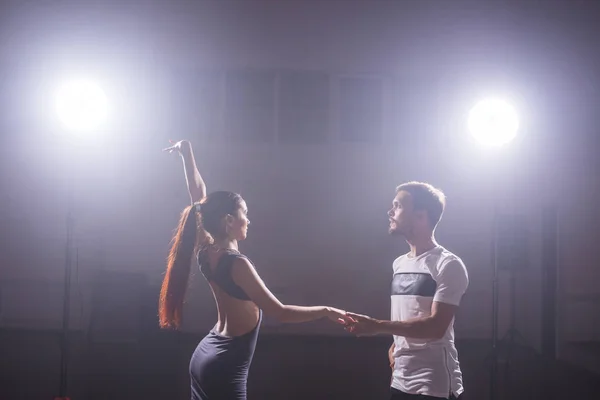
(424, 366)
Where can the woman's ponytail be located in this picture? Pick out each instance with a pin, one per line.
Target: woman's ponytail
(175, 282)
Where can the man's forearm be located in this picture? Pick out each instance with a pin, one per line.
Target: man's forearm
(418, 328)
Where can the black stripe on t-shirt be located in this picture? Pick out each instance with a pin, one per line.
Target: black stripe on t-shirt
(415, 284)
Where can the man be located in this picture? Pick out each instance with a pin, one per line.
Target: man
(427, 286)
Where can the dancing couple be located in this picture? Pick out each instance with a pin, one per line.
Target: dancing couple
(426, 289)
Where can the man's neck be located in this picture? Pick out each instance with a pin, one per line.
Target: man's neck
(422, 245)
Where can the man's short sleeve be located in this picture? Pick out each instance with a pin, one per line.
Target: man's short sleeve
(452, 282)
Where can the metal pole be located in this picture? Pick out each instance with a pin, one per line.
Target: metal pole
(494, 368)
(64, 342)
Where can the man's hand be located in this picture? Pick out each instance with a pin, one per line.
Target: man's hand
(361, 325)
(391, 356)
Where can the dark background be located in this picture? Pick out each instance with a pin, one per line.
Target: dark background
(314, 111)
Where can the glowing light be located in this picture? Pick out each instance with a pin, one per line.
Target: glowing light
(493, 122)
(81, 105)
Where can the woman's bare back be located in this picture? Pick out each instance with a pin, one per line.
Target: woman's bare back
(236, 315)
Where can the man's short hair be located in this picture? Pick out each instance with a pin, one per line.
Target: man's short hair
(426, 197)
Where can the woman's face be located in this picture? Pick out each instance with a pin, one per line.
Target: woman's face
(238, 223)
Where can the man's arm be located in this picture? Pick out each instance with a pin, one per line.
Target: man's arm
(452, 284)
(431, 327)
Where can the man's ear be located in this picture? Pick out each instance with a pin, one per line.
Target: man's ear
(421, 215)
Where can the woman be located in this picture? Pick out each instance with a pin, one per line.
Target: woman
(212, 226)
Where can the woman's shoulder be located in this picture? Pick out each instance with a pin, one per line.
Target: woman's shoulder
(213, 254)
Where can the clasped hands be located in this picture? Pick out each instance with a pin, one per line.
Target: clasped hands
(360, 325)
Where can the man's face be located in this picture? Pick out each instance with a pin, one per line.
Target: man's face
(401, 214)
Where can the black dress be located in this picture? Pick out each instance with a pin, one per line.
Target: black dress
(219, 366)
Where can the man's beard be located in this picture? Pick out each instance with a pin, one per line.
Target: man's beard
(395, 231)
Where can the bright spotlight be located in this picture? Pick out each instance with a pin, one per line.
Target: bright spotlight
(81, 105)
(493, 122)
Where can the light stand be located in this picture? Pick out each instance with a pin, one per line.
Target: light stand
(513, 250)
(493, 122)
(494, 352)
(64, 338)
(81, 106)
(512, 335)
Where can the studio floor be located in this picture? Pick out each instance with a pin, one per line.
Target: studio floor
(285, 367)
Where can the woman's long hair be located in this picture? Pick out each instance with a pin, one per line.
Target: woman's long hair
(195, 228)
(175, 282)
